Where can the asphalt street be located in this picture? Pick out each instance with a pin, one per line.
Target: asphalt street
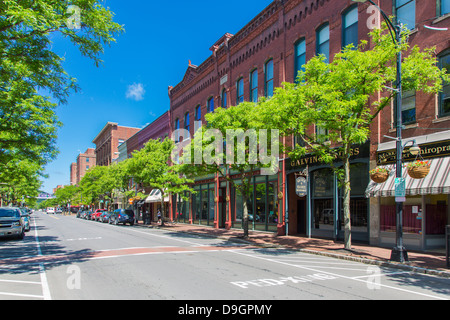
(64, 258)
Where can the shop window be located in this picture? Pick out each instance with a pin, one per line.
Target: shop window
(444, 96)
(300, 57)
(350, 27)
(323, 42)
(411, 223)
(254, 86)
(406, 13)
(436, 219)
(269, 78)
(322, 193)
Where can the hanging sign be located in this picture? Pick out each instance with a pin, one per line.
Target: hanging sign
(301, 186)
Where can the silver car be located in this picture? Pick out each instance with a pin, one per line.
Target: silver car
(11, 223)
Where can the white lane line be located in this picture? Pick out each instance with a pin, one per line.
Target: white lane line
(20, 281)
(43, 275)
(20, 295)
(337, 275)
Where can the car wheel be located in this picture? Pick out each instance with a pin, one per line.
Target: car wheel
(22, 235)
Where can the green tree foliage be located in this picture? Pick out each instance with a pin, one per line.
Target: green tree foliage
(338, 99)
(32, 79)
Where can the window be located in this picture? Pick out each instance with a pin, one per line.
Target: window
(444, 6)
(300, 57)
(444, 96)
(409, 107)
(211, 105)
(350, 27)
(254, 86)
(269, 79)
(198, 113)
(240, 90)
(224, 98)
(406, 12)
(323, 42)
(177, 127)
(187, 121)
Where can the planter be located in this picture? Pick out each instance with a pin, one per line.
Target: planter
(379, 177)
(418, 172)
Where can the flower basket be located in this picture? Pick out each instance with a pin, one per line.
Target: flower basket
(419, 169)
(379, 175)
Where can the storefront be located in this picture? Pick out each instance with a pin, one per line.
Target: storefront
(318, 212)
(426, 209)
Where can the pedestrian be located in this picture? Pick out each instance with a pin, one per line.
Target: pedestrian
(159, 216)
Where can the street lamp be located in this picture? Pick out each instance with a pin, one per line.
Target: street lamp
(399, 253)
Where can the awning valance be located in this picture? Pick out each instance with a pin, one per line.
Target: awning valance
(155, 197)
(437, 182)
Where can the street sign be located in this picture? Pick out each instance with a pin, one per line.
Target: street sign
(301, 186)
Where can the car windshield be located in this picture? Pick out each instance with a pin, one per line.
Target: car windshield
(9, 213)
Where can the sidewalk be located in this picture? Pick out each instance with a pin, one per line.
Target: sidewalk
(422, 262)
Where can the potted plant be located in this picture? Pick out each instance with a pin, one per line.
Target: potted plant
(419, 169)
(379, 174)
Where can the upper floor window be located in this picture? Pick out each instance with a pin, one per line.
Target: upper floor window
(240, 90)
(177, 127)
(409, 107)
(444, 96)
(300, 57)
(198, 113)
(444, 6)
(350, 27)
(323, 41)
(406, 13)
(269, 78)
(187, 125)
(254, 86)
(211, 105)
(224, 98)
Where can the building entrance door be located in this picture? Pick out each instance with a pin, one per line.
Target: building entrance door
(301, 217)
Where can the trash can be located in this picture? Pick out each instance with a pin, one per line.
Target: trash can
(447, 240)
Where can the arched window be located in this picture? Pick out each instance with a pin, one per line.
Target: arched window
(269, 78)
(211, 105)
(187, 122)
(254, 86)
(224, 99)
(350, 27)
(240, 90)
(323, 41)
(300, 57)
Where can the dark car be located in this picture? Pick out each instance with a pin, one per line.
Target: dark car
(122, 216)
(11, 223)
(104, 217)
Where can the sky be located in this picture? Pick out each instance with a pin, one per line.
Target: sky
(131, 86)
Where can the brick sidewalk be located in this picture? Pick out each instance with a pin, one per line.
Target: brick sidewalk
(423, 262)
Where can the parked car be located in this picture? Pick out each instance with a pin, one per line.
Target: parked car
(104, 217)
(11, 223)
(25, 219)
(122, 216)
(96, 214)
(86, 215)
(50, 210)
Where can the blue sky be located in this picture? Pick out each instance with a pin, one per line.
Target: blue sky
(131, 87)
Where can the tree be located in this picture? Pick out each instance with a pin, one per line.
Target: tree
(151, 167)
(31, 74)
(246, 149)
(335, 97)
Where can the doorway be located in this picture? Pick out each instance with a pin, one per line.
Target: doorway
(222, 208)
(301, 217)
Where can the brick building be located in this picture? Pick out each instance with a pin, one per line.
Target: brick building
(108, 140)
(73, 174)
(270, 50)
(85, 161)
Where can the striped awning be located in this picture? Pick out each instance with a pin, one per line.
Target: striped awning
(437, 182)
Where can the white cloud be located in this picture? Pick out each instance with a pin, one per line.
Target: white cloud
(136, 92)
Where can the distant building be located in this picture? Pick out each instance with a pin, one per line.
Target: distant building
(85, 161)
(73, 174)
(108, 140)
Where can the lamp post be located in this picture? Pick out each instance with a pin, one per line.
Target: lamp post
(399, 253)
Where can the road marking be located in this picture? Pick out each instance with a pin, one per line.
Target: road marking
(44, 282)
(84, 239)
(20, 281)
(20, 295)
(335, 275)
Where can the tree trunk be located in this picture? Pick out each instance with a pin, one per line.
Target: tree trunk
(347, 219)
(245, 226)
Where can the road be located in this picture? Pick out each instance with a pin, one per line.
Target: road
(64, 258)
